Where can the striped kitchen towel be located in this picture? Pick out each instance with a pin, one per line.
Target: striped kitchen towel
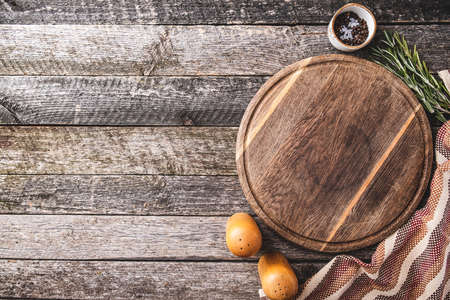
(412, 263)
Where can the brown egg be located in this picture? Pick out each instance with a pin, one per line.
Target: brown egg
(243, 236)
(278, 280)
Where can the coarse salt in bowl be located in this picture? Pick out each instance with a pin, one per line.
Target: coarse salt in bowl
(362, 12)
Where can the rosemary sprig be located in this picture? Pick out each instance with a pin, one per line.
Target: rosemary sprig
(396, 56)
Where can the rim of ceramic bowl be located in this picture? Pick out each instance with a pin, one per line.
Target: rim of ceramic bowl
(369, 38)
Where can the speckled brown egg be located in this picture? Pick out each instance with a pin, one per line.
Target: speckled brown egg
(243, 236)
(278, 280)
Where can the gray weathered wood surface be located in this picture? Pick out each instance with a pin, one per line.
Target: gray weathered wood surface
(106, 211)
(117, 150)
(209, 12)
(180, 50)
(121, 194)
(126, 100)
(131, 237)
(135, 280)
(152, 195)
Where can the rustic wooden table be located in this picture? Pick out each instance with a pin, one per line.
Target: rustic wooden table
(117, 161)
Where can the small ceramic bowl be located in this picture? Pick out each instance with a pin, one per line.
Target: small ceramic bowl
(362, 12)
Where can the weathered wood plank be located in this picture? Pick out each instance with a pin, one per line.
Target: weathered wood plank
(126, 100)
(111, 100)
(132, 237)
(131, 280)
(117, 150)
(121, 194)
(181, 50)
(208, 12)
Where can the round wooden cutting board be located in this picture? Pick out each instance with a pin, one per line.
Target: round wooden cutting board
(334, 153)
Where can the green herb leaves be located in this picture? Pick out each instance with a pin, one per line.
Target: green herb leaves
(396, 56)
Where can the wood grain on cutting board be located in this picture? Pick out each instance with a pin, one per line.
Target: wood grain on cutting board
(334, 153)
